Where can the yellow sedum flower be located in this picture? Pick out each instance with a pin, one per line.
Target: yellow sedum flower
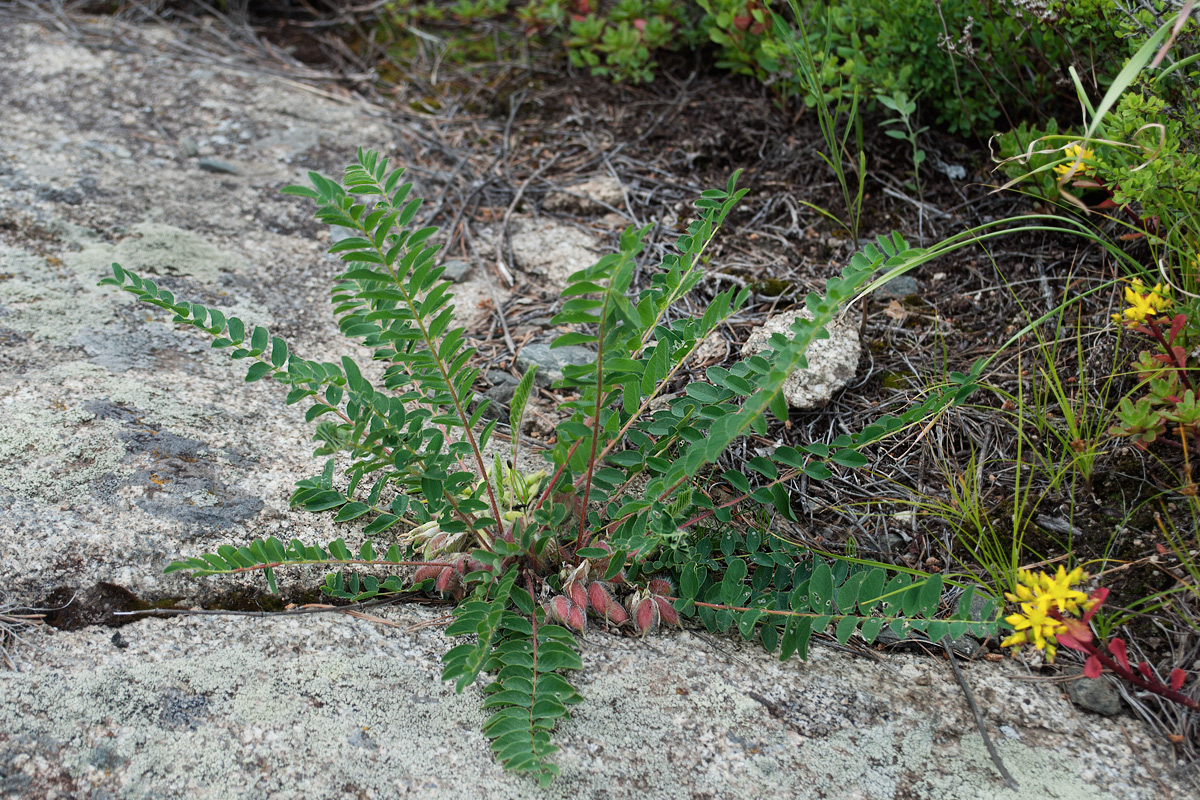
(1078, 155)
(1043, 600)
(1143, 303)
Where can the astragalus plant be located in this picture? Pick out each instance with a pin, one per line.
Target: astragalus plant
(530, 557)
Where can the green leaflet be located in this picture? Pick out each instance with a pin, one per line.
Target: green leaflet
(516, 409)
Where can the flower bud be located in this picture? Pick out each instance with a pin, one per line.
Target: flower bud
(447, 580)
(425, 573)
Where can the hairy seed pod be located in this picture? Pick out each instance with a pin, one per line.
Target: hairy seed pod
(667, 612)
(645, 616)
(447, 580)
(605, 603)
(578, 594)
(566, 613)
(618, 579)
(661, 586)
(425, 573)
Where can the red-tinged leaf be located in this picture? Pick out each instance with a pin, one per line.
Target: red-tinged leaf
(1117, 648)
(1099, 595)
(1092, 668)
(1176, 326)
(1144, 668)
(661, 586)
(1070, 642)
(667, 612)
(1078, 631)
(646, 616)
(1177, 678)
(578, 594)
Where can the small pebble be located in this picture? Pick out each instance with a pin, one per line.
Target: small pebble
(188, 147)
(216, 165)
(457, 271)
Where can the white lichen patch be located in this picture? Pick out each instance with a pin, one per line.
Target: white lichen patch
(51, 452)
(159, 249)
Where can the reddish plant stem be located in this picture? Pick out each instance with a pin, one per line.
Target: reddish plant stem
(1152, 326)
(1129, 676)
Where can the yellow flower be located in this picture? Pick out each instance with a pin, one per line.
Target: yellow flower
(1043, 599)
(1143, 302)
(1058, 591)
(1078, 155)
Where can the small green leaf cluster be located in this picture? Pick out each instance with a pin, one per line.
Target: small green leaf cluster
(970, 64)
(782, 603)
(1169, 396)
(620, 44)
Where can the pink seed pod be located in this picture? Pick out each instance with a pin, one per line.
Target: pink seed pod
(425, 573)
(667, 612)
(645, 616)
(462, 563)
(661, 586)
(618, 579)
(578, 594)
(606, 605)
(566, 613)
(447, 581)
(474, 565)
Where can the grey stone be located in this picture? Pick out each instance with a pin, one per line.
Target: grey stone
(831, 362)
(592, 196)
(503, 387)
(550, 361)
(188, 147)
(329, 701)
(457, 271)
(1098, 694)
(547, 247)
(900, 287)
(217, 165)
